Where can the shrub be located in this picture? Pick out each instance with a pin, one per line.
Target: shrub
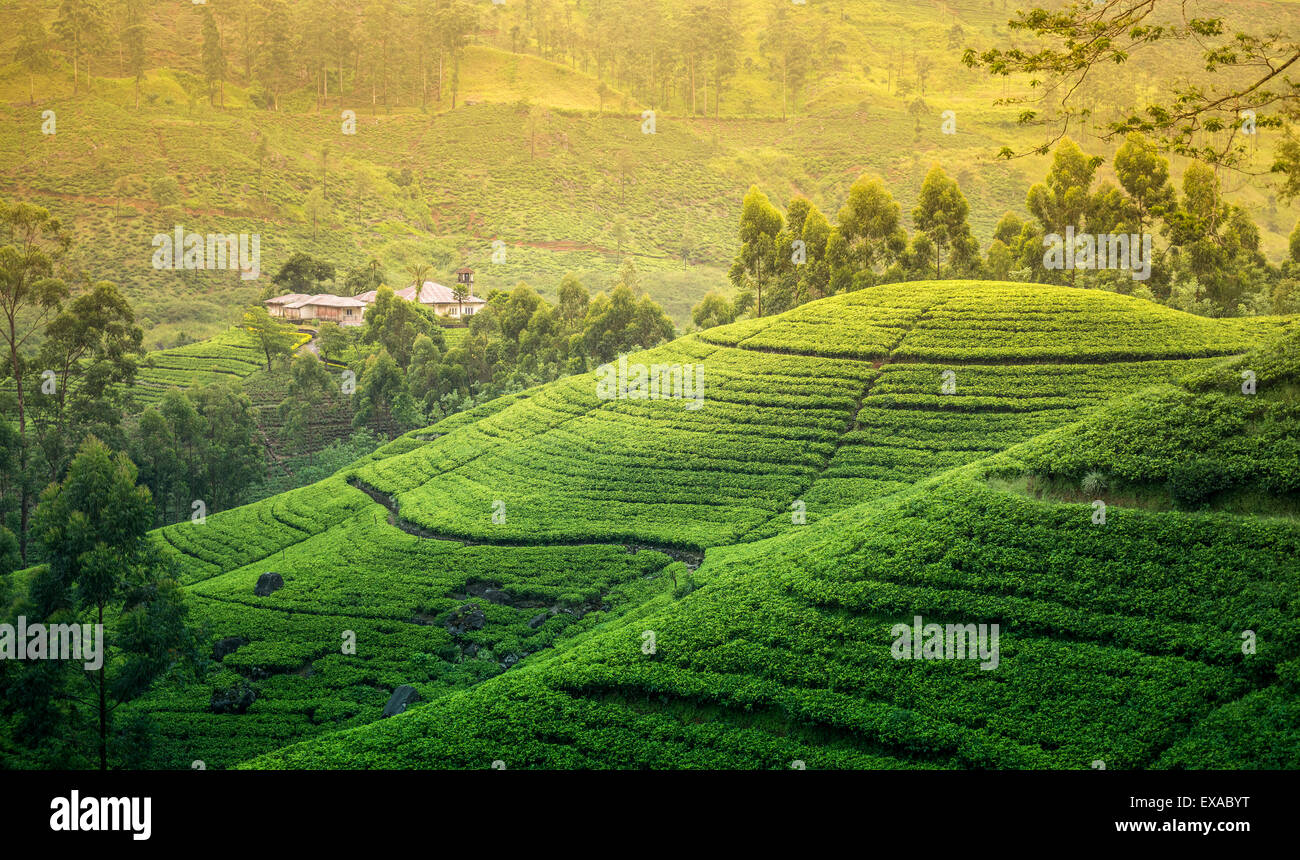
(1192, 483)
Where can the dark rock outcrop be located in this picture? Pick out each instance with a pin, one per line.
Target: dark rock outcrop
(227, 646)
(402, 696)
(268, 582)
(232, 700)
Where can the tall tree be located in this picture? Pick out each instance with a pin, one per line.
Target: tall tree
(133, 34)
(940, 214)
(33, 51)
(1144, 175)
(755, 262)
(273, 336)
(214, 58)
(92, 527)
(91, 348)
(310, 386)
(1064, 199)
(81, 24)
(868, 224)
(30, 295)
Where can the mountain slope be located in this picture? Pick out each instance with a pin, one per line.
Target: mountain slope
(1122, 640)
(765, 652)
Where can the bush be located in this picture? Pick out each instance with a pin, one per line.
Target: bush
(1192, 483)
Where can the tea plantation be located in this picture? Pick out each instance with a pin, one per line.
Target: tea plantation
(528, 566)
(231, 356)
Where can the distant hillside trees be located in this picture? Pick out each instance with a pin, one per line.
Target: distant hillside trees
(1205, 255)
(198, 445)
(214, 59)
(33, 51)
(133, 36)
(82, 26)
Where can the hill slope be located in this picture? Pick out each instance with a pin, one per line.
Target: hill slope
(429, 184)
(1121, 640)
(777, 648)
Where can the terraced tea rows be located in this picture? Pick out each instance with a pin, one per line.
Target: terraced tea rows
(232, 355)
(1112, 643)
(348, 576)
(789, 426)
(778, 648)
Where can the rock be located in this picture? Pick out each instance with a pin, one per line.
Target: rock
(510, 660)
(232, 700)
(488, 593)
(226, 646)
(402, 696)
(466, 618)
(538, 620)
(470, 650)
(268, 582)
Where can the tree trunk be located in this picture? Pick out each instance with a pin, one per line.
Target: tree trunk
(692, 86)
(103, 708)
(783, 85)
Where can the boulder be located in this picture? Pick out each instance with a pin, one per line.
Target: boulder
(538, 620)
(232, 700)
(268, 582)
(488, 593)
(402, 696)
(466, 618)
(229, 645)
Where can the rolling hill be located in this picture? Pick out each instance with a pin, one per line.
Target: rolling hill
(531, 156)
(573, 581)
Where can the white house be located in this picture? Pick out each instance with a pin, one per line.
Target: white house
(323, 307)
(441, 300)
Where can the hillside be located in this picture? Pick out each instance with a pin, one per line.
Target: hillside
(508, 562)
(531, 156)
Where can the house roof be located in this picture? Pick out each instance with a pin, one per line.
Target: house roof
(368, 297)
(436, 294)
(325, 300)
(286, 299)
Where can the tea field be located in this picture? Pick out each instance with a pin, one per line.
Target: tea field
(231, 356)
(530, 566)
